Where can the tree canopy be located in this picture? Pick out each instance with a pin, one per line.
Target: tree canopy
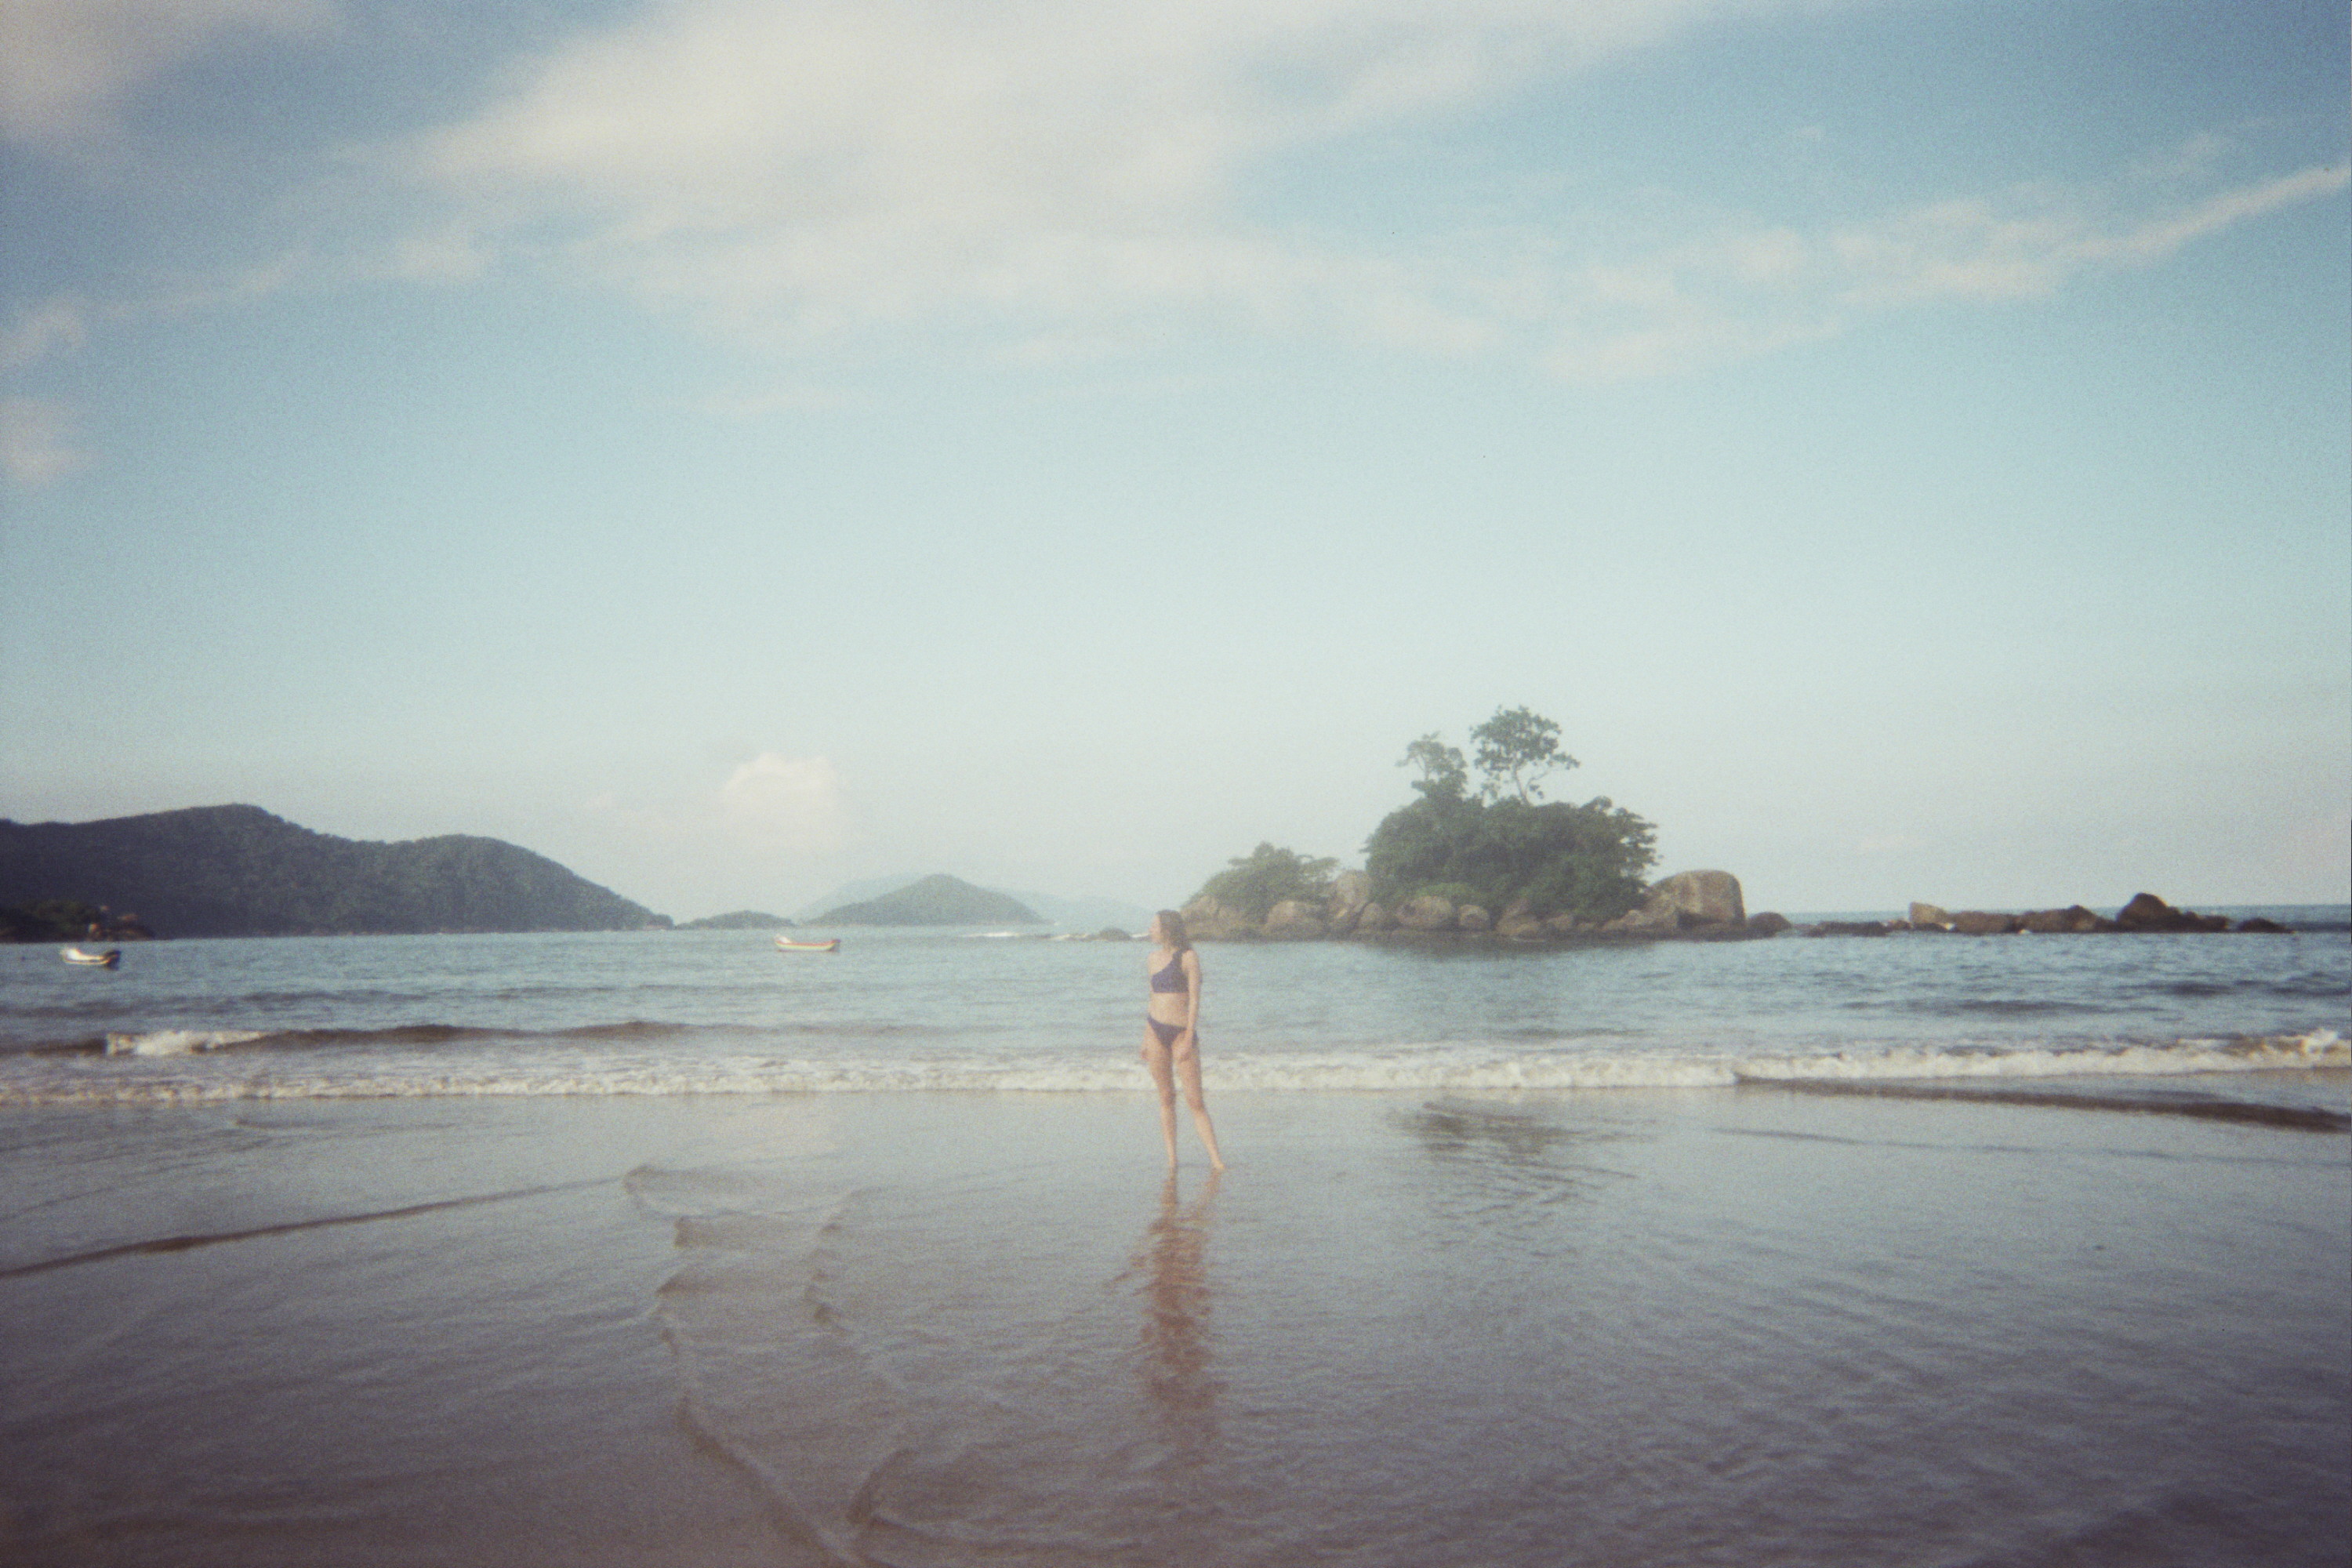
(1505, 846)
(1253, 884)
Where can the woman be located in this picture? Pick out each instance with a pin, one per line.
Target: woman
(1171, 1043)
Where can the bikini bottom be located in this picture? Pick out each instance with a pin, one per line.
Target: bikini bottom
(1167, 1031)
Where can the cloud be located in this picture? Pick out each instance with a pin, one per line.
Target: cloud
(834, 164)
(775, 802)
(36, 441)
(54, 326)
(70, 64)
(771, 804)
(1073, 179)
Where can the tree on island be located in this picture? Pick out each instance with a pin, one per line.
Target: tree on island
(1252, 884)
(1504, 846)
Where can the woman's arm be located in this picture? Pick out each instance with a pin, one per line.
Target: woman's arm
(1192, 991)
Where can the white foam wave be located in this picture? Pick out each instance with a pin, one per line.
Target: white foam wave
(1405, 1067)
(178, 1042)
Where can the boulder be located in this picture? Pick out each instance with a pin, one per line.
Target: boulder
(1521, 928)
(1848, 928)
(1982, 923)
(1927, 917)
(1295, 920)
(1112, 933)
(2072, 919)
(1699, 897)
(2257, 923)
(1565, 925)
(1351, 891)
(1647, 919)
(1207, 919)
(1375, 918)
(1768, 924)
(2148, 912)
(1471, 917)
(1429, 912)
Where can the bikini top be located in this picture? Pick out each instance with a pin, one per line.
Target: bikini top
(1173, 977)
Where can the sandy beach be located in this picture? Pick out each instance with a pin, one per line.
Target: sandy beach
(1736, 1326)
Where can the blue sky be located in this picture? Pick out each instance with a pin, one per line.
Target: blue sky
(737, 447)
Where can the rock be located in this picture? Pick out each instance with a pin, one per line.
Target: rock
(1470, 917)
(2268, 928)
(1565, 925)
(1848, 928)
(1768, 924)
(2072, 919)
(1982, 923)
(1351, 893)
(2148, 912)
(1208, 919)
(1699, 897)
(1520, 924)
(1647, 919)
(1429, 912)
(1375, 918)
(1112, 933)
(1927, 917)
(1295, 920)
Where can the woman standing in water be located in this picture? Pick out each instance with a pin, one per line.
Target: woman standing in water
(1171, 1041)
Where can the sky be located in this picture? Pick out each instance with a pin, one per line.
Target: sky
(736, 447)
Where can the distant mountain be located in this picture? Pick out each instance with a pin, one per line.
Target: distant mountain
(741, 920)
(939, 901)
(1070, 914)
(236, 870)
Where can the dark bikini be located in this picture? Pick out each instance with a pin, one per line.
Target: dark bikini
(1170, 981)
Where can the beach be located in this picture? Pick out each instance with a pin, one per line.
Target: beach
(1670, 1325)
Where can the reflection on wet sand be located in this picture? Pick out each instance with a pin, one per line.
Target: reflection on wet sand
(1174, 1365)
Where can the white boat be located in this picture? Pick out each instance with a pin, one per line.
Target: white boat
(788, 945)
(107, 960)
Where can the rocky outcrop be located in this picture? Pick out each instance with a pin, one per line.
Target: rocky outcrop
(1296, 919)
(1470, 918)
(1981, 923)
(1688, 900)
(1351, 895)
(1927, 917)
(2147, 912)
(1429, 912)
(1208, 919)
(1768, 923)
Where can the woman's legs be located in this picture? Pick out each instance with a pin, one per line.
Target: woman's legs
(1188, 1069)
(1155, 1062)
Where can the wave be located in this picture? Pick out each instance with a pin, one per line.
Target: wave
(1429, 1067)
(200, 1042)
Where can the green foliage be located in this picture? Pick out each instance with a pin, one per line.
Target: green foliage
(1254, 883)
(1502, 846)
(1520, 745)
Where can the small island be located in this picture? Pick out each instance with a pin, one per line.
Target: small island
(1498, 863)
(936, 900)
(739, 920)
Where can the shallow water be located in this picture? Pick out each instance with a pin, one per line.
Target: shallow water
(1736, 1326)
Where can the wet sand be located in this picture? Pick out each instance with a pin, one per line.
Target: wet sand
(1736, 1326)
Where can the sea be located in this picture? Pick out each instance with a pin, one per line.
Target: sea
(679, 1250)
(665, 1013)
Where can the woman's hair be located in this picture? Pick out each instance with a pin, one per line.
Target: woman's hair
(1171, 925)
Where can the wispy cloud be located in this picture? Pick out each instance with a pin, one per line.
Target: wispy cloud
(37, 444)
(69, 65)
(1073, 179)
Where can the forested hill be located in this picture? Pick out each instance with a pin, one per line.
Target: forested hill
(236, 870)
(939, 901)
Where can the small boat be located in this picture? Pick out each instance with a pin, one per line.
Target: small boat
(107, 960)
(789, 945)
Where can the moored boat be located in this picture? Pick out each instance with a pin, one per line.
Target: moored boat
(789, 945)
(107, 960)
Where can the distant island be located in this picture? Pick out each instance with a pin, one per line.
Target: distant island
(936, 900)
(237, 870)
(739, 919)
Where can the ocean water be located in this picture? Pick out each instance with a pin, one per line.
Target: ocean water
(659, 1013)
(672, 1249)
